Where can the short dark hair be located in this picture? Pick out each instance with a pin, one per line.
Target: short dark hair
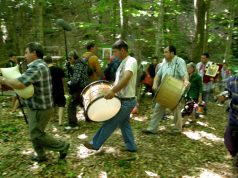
(119, 44)
(90, 45)
(155, 57)
(11, 54)
(74, 54)
(206, 54)
(48, 59)
(37, 47)
(172, 49)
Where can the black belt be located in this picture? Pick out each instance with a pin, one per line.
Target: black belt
(127, 99)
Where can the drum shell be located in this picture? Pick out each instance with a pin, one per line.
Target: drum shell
(13, 73)
(170, 92)
(96, 107)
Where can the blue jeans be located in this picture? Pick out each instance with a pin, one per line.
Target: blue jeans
(121, 120)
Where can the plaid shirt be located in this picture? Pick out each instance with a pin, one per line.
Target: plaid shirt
(38, 74)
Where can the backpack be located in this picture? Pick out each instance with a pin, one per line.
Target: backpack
(85, 60)
(110, 71)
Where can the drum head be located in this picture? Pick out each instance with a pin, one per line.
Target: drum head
(102, 109)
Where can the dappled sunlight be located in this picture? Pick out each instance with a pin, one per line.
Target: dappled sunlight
(28, 152)
(204, 124)
(140, 118)
(82, 136)
(161, 128)
(80, 115)
(205, 173)
(83, 152)
(35, 167)
(102, 174)
(151, 174)
(200, 135)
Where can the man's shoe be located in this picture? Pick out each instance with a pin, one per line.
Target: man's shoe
(38, 159)
(89, 146)
(64, 153)
(145, 131)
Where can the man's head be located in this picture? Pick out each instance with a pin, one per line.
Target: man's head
(91, 47)
(48, 59)
(154, 60)
(169, 52)
(73, 56)
(120, 49)
(12, 56)
(204, 58)
(34, 51)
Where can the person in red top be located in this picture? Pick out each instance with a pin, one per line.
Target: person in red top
(207, 80)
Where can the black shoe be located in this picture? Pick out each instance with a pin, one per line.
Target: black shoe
(39, 159)
(89, 146)
(148, 132)
(64, 153)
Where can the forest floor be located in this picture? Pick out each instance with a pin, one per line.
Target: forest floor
(198, 152)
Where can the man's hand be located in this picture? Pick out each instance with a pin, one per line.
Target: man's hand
(186, 83)
(109, 95)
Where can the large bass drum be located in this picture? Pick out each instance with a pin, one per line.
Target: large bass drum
(170, 92)
(96, 107)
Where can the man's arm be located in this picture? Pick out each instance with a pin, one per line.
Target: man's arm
(13, 83)
(121, 84)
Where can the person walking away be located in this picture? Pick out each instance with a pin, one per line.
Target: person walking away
(40, 104)
(125, 88)
(92, 60)
(57, 75)
(78, 81)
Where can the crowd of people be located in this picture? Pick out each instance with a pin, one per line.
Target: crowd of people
(49, 93)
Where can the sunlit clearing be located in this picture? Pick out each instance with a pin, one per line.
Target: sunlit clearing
(209, 174)
(197, 135)
(83, 152)
(27, 152)
(102, 174)
(151, 174)
(140, 118)
(82, 136)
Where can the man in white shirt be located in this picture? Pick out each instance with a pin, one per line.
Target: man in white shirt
(125, 88)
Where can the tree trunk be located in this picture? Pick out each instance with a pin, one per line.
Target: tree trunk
(39, 21)
(159, 34)
(230, 27)
(125, 19)
(199, 18)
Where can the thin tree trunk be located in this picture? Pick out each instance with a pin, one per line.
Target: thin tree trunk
(227, 54)
(199, 18)
(39, 21)
(159, 34)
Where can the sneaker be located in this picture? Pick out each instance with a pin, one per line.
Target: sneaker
(38, 159)
(89, 146)
(145, 131)
(176, 131)
(64, 153)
